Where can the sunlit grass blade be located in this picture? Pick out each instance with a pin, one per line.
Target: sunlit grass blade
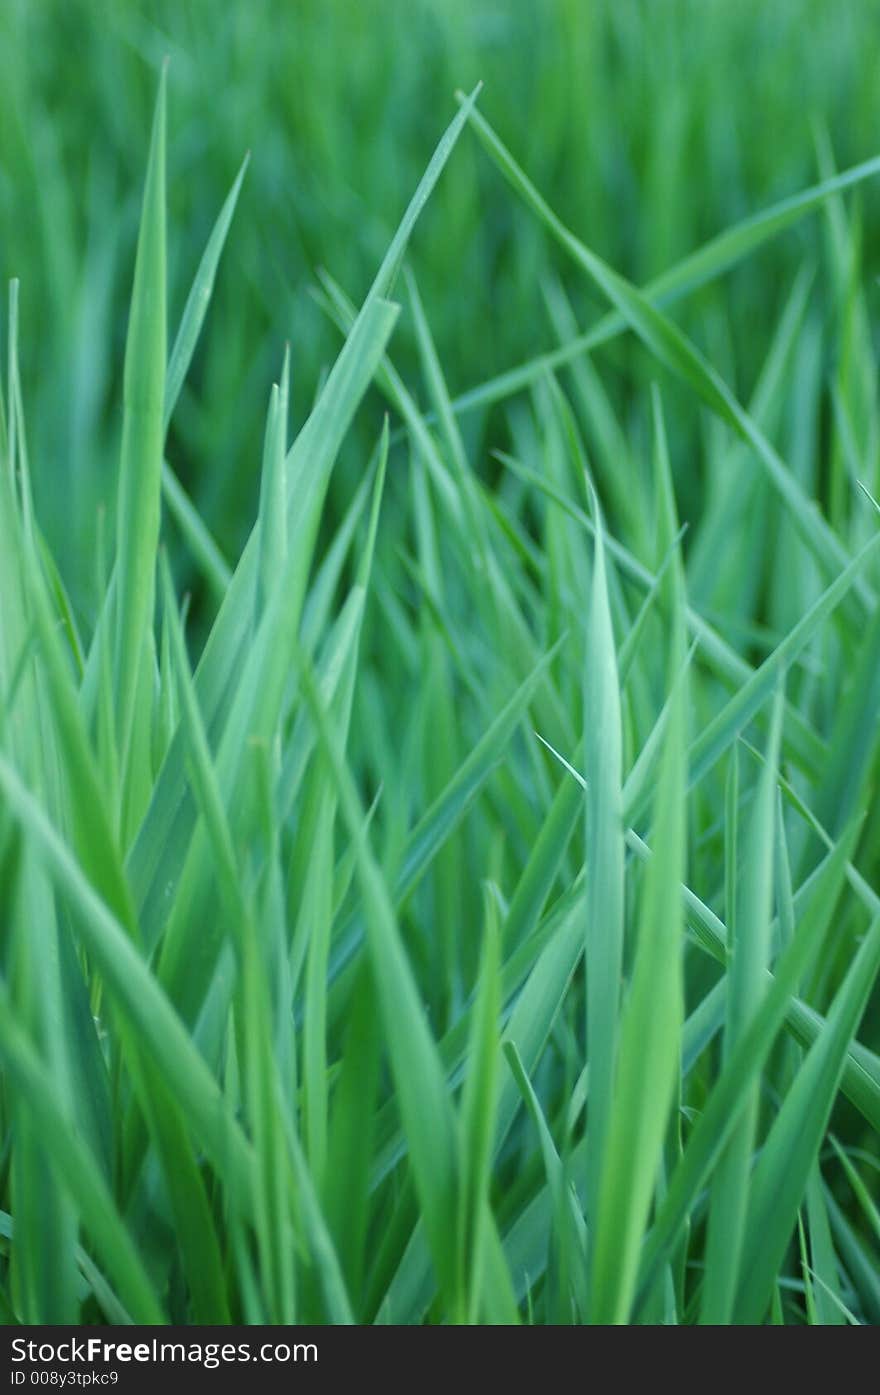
(604, 868)
(651, 1026)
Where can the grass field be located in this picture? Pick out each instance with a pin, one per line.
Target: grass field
(439, 662)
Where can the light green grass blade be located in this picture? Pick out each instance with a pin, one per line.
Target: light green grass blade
(477, 1123)
(570, 1231)
(272, 519)
(272, 1219)
(202, 772)
(830, 1309)
(542, 867)
(142, 436)
(199, 299)
(352, 1136)
(861, 1076)
(439, 393)
(511, 615)
(316, 911)
(383, 284)
(204, 549)
(430, 1124)
(630, 647)
(323, 1253)
(90, 818)
(188, 961)
(724, 660)
(827, 1296)
(63, 606)
(650, 1038)
(262, 681)
(852, 748)
(42, 1283)
(604, 865)
(110, 1306)
(749, 955)
(201, 543)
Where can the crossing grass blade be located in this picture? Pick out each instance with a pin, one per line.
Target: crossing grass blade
(730, 1092)
(717, 256)
(139, 996)
(677, 352)
(868, 1205)
(319, 443)
(792, 1144)
(78, 1172)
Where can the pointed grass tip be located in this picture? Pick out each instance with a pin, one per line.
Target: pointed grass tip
(463, 97)
(866, 491)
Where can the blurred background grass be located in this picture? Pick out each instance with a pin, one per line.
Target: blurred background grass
(648, 124)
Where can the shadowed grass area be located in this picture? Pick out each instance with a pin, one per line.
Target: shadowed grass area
(437, 833)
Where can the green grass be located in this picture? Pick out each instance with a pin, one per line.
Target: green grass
(447, 895)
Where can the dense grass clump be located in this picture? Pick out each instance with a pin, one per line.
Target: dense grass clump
(460, 907)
